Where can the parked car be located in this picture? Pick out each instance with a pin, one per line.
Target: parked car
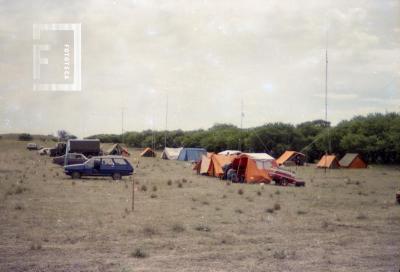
(284, 178)
(72, 158)
(114, 166)
(44, 151)
(58, 150)
(32, 146)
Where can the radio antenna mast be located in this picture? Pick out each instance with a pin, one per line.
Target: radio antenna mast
(166, 122)
(241, 125)
(326, 95)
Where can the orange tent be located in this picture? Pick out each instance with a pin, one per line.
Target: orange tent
(296, 157)
(352, 160)
(205, 165)
(148, 152)
(212, 164)
(254, 167)
(118, 149)
(219, 161)
(328, 161)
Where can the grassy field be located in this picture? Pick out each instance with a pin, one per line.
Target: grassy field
(343, 220)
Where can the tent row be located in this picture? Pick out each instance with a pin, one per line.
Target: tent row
(183, 154)
(212, 163)
(350, 160)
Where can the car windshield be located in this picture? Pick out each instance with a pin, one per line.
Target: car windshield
(120, 161)
(90, 162)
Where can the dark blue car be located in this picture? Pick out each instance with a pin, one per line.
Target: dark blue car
(113, 166)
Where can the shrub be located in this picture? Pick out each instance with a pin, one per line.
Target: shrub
(361, 216)
(301, 212)
(279, 255)
(16, 190)
(169, 182)
(149, 231)
(258, 193)
(154, 188)
(153, 196)
(139, 253)
(36, 246)
(180, 185)
(240, 191)
(178, 227)
(202, 227)
(238, 211)
(25, 137)
(143, 188)
(269, 210)
(184, 180)
(277, 206)
(325, 224)
(19, 207)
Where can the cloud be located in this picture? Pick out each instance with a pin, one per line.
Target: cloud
(338, 96)
(208, 56)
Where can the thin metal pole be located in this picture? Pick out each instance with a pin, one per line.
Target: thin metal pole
(241, 125)
(122, 125)
(326, 100)
(328, 151)
(133, 194)
(166, 123)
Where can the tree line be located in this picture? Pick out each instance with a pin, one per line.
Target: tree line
(375, 136)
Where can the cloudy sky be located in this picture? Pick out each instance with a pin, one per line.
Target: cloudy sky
(206, 56)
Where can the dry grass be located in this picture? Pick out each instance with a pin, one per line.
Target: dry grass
(345, 220)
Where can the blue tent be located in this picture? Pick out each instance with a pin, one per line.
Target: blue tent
(191, 154)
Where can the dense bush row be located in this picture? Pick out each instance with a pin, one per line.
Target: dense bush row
(376, 137)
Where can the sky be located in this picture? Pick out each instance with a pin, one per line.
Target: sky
(204, 57)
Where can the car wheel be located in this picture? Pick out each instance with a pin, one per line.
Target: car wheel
(116, 176)
(76, 175)
(300, 183)
(284, 182)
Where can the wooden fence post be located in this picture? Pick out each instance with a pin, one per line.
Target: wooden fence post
(133, 194)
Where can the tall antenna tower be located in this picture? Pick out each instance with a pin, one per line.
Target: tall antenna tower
(241, 125)
(122, 124)
(166, 122)
(326, 96)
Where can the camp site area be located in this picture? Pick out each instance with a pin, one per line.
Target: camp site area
(342, 220)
